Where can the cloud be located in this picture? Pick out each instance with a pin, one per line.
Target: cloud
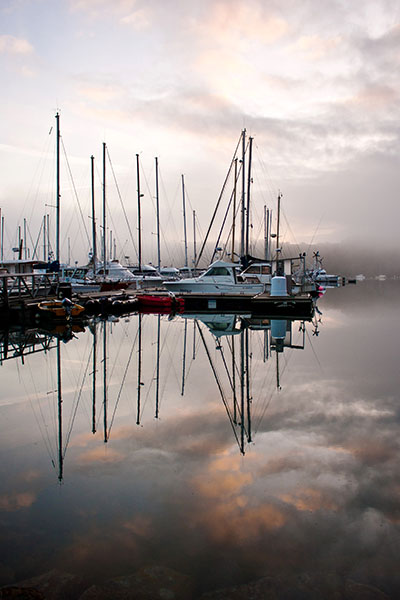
(315, 47)
(15, 501)
(12, 45)
(123, 11)
(101, 454)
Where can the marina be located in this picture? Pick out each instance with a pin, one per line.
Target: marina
(177, 438)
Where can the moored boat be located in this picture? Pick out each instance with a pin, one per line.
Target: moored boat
(59, 309)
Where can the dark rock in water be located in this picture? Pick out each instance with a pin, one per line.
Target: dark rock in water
(301, 587)
(19, 593)
(150, 583)
(53, 585)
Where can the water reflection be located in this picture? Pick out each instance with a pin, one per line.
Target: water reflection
(225, 339)
(224, 447)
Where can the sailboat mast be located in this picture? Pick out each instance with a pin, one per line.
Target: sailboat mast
(184, 220)
(25, 248)
(242, 241)
(94, 252)
(2, 238)
(139, 375)
(139, 214)
(194, 238)
(242, 368)
(60, 431)
(266, 216)
(234, 381)
(58, 188)
(248, 399)
(184, 360)
(158, 220)
(278, 220)
(104, 211)
(248, 195)
(234, 211)
(94, 377)
(158, 365)
(105, 400)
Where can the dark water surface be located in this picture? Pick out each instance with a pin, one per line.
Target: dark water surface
(156, 472)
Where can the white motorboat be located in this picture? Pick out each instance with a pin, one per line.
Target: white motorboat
(220, 278)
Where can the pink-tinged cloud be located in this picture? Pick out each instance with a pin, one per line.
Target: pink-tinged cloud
(229, 521)
(104, 8)
(232, 22)
(140, 526)
(375, 97)
(139, 19)
(217, 485)
(309, 499)
(16, 501)
(101, 454)
(315, 47)
(12, 45)
(100, 93)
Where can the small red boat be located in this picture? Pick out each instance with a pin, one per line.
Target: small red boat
(159, 304)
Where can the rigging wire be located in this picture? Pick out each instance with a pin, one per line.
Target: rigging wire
(73, 415)
(75, 192)
(122, 203)
(122, 383)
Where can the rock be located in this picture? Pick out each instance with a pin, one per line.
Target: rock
(150, 583)
(53, 585)
(17, 593)
(304, 586)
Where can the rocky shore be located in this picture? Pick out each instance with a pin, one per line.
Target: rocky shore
(160, 583)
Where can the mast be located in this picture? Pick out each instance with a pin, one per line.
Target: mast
(266, 218)
(58, 188)
(105, 399)
(104, 211)
(234, 211)
(242, 392)
(94, 252)
(278, 220)
(248, 399)
(158, 220)
(242, 240)
(139, 195)
(184, 220)
(194, 239)
(2, 238)
(184, 360)
(94, 377)
(48, 235)
(158, 365)
(234, 381)
(139, 368)
(278, 248)
(25, 249)
(248, 195)
(59, 402)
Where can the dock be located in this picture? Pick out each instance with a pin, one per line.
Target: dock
(21, 294)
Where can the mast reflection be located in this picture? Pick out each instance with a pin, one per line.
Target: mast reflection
(227, 340)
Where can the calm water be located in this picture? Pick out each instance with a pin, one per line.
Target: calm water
(152, 459)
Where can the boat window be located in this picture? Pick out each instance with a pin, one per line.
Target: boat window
(253, 269)
(265, 269)
(218, 271)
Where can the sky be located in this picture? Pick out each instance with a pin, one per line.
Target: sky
(316, 84)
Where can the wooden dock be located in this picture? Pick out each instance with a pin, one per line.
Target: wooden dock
(21, 295)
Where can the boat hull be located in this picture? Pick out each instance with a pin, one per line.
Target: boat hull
(239, 289)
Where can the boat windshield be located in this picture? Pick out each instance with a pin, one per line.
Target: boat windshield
(218, 272)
